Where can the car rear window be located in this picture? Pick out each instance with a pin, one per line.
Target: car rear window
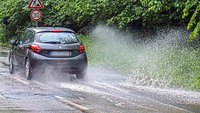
(57, 37)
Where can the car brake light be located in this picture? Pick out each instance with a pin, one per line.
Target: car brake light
(35, 48)
(82, 48)
(56, 31)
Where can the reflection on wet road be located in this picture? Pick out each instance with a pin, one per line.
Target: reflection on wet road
(103, 91)
(115, 88)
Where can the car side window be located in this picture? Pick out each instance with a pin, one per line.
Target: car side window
(22, 38)
(28, 37)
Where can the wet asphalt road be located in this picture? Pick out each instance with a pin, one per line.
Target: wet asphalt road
(103, 91)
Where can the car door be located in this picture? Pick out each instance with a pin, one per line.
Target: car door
(16, 53)
(24, 46)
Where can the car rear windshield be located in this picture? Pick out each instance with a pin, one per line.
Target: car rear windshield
(54, 37)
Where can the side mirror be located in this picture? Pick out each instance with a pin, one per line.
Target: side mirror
(14, 42)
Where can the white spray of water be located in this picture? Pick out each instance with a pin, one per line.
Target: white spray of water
(145, 59)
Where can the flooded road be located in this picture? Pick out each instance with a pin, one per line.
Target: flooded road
(103, 91)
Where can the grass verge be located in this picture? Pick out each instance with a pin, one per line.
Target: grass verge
(181, 67)
(4, 44)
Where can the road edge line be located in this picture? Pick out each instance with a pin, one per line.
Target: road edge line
(19, 80)
(72, 104)
(39, 83)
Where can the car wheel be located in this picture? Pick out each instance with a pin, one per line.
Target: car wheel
(28, 73)
(80, 75)
(11, 66)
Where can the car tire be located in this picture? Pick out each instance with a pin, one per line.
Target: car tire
(28, 73)
(11, 66)
(80, 75)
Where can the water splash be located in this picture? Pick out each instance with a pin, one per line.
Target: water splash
(158, 60)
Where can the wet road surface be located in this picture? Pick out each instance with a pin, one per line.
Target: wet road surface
(103, 91)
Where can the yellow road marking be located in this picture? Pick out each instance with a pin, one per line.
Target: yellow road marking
(81, 108)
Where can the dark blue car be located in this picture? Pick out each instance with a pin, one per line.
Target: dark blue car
(48, 48)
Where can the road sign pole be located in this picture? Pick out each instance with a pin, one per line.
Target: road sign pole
(36, 23)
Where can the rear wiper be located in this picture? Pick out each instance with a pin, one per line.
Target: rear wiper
(53, 42)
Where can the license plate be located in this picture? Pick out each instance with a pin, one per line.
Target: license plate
(61, 53)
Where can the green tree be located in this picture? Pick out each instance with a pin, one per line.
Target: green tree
(192, 11)
(79, 14)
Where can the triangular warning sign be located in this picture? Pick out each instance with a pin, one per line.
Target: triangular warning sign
(35, 4)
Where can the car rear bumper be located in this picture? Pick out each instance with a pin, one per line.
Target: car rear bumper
(72, 65)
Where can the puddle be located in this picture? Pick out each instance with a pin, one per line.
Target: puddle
(26, 95)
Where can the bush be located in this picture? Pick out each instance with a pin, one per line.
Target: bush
(79, 14)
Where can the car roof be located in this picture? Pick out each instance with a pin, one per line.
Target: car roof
(46, 29)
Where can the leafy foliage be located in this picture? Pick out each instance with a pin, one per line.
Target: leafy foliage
(78, 14)
(192, 10)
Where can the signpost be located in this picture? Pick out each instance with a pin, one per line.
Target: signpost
(36, 14)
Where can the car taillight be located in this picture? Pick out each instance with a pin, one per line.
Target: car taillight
(35, 48)
(56, 31)
(82, 48)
